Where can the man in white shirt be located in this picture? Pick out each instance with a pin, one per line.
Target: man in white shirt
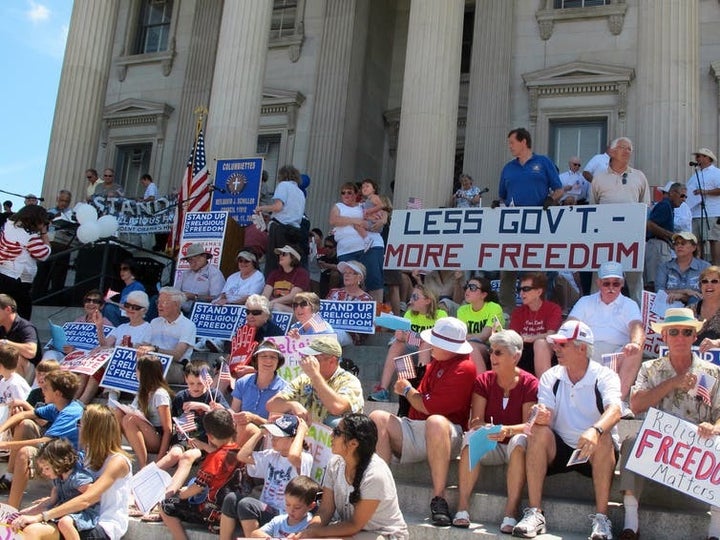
(704, 185)
(597, 163)
(575, 187)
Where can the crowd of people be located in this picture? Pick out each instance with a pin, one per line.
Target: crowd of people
(550, 378)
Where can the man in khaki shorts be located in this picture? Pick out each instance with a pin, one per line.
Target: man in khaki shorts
(439, 411)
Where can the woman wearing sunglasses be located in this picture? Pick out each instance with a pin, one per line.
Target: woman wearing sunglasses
(680, 277)
(359, 498)
(306, 310)
(708, 309)
(479, 314)
(129, 334)
(258, 316)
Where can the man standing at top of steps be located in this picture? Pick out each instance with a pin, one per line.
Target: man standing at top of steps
(670, 384)
(574, 428)
(439, 411)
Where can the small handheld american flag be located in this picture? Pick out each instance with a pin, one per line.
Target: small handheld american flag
(405, 367)
(702, 390)
(185, 423)
(612, 360)
(414, 339)
(316, 322)
(531, 420)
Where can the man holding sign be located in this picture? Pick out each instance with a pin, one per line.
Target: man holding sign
(574, 429)
(680, 384)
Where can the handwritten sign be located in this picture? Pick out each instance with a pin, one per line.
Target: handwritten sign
(653, 341)
(290, 346)
(86, 363)
(349, 316)
(518, 238)
(237, 183)
(120, 372)
(669, 451)
(319, 440)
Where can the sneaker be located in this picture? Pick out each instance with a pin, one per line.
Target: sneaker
(440, 512)
(379, 395)
(626, 412)
(531, 524)
(601, 527)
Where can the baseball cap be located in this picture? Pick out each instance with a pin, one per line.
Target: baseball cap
(323, 345)
(572, 331)
(611, 269)
(285, 426)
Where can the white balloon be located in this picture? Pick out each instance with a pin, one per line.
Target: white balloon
(85, 213)
(88, 232)
(108, 226)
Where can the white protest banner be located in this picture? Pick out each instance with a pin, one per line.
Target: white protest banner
(518, 238)
(319, 439)
(86, 363)
(216, 322)
(83, 335)
(669, 451)
(138, 217)
(239, 180)
(120, 372)
(290, 346)
(349, 316)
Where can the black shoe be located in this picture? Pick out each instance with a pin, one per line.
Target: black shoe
(5, 484)
(440, 512)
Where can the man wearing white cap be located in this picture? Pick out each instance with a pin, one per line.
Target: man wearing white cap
(568, 419)
(202, 282)
(703, 189)
(616, 323)
(660, 228)
(670, 384)
(439, 411)
(324, 392)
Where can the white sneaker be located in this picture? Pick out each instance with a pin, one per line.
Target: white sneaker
(601, 527)
(531, 524)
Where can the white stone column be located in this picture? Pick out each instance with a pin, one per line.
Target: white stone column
(490, 71)
(336, 104)
(428, 118)
(236, 97)
(667, 89)
(81, 96)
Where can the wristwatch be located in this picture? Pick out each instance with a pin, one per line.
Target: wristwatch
(599, 430)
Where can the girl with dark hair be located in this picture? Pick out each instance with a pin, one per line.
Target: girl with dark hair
(23, 241)
(479, 314)
(358, 487)
(152, 433)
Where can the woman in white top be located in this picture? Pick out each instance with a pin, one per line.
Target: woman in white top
(152, 433)
(358, 487)
(248, 280)
(100, 437)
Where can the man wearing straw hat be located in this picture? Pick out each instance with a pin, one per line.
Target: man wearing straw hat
(439, 411)
(670, 384)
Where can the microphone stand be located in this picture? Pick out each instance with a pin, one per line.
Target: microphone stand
(704, 220)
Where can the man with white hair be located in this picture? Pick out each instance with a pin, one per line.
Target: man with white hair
(172, 333)
(578, 409)
(703, 190)
(439, 411)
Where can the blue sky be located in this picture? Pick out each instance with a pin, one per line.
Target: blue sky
(32, 40)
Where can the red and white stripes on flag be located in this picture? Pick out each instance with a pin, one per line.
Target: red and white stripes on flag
(317, 323)
(405, 367)
(185, 423)
(702, 390)
(206, 378)
(414, 339)
(414, 203)
(224, 374)
(194, 194)
(613, 360)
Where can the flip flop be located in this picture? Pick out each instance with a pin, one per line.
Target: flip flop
(134, 511)
(461, 519)
(151, 518)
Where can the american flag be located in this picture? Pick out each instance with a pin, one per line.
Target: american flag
(224, 375)
(317, 323)
(185, 423)
(414, 203)
(531, 420)
(206, 378)
(702, 390)
(414, 339)
(194, 194)
(405, 367)
(612, 360)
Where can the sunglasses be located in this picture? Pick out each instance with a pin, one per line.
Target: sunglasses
(713, 281)
(624, 178)
(496, 352)
(339, 432)
(347, 192)
(611, 284)
(302, 303)
(472, 287)
(686, 332)
(97, 301)
(256, 312)
(576, 164)
(526, 288)
(132, 307)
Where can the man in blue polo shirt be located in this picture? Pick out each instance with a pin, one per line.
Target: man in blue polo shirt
(528, 179)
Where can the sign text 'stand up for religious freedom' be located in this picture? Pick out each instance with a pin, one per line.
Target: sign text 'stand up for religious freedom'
(138, 217)
(669, 450)
(518, 238)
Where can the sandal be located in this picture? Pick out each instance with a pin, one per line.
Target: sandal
(134, 511)
(507, 525)
(461, 519)
(151, 518)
